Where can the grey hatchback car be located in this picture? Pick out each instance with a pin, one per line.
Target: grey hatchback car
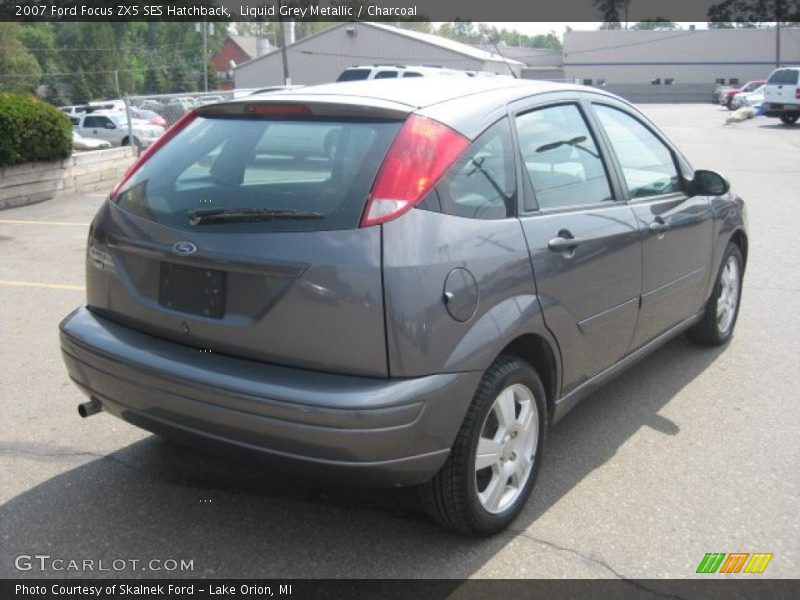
(401, 282)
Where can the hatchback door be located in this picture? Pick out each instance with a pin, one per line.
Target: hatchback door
(583, 239)
(677, 229)
(240, 235)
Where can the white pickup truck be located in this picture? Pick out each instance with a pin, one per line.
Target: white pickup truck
(782, 95)
(113, 127)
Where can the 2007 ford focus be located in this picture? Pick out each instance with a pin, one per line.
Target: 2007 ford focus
(401, 282)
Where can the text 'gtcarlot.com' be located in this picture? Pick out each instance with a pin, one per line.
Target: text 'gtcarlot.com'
(46, 562)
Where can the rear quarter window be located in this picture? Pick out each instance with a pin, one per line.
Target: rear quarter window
(308, 165)
(481, 183)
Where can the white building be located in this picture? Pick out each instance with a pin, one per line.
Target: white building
(319, 58)
(681, 65)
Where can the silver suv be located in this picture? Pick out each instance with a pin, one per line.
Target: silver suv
(399, 282)
(365, 72)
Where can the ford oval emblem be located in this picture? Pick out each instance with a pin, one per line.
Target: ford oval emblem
(183, 248)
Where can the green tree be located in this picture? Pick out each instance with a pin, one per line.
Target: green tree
(19, 70)
(657, 24)
(753, 13)
(613, 12)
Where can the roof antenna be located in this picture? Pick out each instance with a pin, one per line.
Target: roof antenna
(497, 51)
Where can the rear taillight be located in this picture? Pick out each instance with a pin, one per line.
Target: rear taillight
(153, 148)
(417, 158)
(797, 93)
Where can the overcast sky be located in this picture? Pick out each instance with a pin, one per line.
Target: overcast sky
(559, 27)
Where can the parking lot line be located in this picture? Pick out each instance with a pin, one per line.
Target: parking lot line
(66, 223)
(36, 284)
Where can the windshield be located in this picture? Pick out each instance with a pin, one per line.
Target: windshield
(320, 166)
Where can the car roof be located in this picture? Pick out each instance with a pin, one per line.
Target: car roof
(420, 93)
(467, 105)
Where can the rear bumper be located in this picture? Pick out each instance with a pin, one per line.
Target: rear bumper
(382, 431)
(771, 109)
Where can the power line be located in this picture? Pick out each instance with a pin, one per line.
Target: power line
(631, 44)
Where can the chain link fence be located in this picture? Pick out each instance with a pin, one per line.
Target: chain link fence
(148, 112)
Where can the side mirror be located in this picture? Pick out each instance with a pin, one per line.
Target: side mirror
(708, 183)
(110, 126)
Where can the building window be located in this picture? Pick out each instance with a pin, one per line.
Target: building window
(656, 81)
(669, 81)
(587, 82)
(720, 81)
(733, 81)
(601, 83)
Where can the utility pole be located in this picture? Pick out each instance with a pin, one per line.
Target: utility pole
(205, 56)
(286, 79)
(116, 82)
(777, 44)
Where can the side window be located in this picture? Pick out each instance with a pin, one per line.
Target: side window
(412, 74)
(561, 158)
(385, 74)
(93, 122)
(481, 184)
(647, 164)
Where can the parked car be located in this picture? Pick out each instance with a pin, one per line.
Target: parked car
(113, 127)
(359, 277)
(782, 95)
(153, 105)
(265, 90)
(150, 116)
(395, 71)
(85, 143)
(203, 100)
(754, 99)
(105, 105)
(728, 95)
(73, 110)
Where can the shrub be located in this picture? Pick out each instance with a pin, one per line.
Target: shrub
(32, 130)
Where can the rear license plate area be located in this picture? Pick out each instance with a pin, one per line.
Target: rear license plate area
(192, 290)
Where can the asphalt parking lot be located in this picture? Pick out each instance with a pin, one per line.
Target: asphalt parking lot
(691, 451)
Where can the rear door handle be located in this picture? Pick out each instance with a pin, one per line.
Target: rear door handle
(658, 226)
(561, 244)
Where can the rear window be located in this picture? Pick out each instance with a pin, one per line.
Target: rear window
(308, 165)
(784, 77)
(354, 74)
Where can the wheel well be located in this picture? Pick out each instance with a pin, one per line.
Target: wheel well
(740, 239)
(536, 351)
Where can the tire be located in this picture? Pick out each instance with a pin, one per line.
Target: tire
(789, 119)
(459, 496)
(728, 103)
(125, 141)
(717, 324)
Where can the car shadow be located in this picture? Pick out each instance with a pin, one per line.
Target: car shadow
(240, 516)
(779, 125)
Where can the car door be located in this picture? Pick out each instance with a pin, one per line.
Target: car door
(95, 126)
(582, 237)
(677, 229)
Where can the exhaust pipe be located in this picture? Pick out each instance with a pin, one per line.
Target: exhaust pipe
(92, 407)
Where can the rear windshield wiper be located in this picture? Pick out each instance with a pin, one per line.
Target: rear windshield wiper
(245, 215)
